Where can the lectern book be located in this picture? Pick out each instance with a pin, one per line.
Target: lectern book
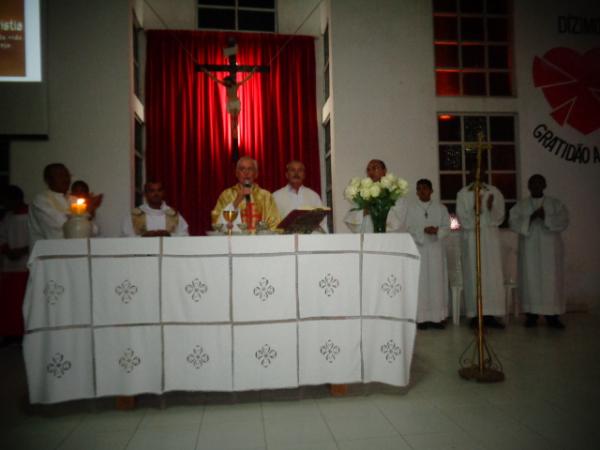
(303, 221)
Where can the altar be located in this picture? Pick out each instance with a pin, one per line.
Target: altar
(108, 317)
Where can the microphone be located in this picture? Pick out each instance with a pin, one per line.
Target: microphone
(247, 184)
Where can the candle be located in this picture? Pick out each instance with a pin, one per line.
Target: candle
(78, 207)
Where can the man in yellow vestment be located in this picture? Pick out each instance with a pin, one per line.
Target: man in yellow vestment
(253, 203)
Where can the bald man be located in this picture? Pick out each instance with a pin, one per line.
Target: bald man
(295, 195)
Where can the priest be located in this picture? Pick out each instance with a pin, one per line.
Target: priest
(154, 217)
(253, 203)
(492, 279)
(428, 223)
(539, 221)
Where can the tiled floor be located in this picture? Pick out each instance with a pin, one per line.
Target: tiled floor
(549, 400)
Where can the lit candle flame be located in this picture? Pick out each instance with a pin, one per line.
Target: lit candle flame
(79, 206)
(454, 223)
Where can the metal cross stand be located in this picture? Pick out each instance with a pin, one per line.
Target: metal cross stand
(483, 363)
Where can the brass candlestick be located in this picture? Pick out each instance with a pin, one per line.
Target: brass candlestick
(483, 363)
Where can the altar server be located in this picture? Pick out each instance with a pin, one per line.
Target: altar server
(539, 220)
(428, 223)
(50, 209)
(14, 252)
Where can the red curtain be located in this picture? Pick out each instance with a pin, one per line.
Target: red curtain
(188, 139)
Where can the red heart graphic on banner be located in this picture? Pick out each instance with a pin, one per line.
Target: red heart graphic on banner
(570, 82)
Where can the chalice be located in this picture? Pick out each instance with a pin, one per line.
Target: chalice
(230, 215)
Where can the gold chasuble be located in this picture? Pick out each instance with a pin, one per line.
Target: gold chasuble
(264, 205)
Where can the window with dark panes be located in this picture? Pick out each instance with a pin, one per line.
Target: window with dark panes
(138, 161)
(243, 15)
(326, 63)
(473, 47)
(457, 141)
(328, 177)
(137, 39)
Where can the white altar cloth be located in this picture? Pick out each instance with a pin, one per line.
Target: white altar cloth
(130, 316)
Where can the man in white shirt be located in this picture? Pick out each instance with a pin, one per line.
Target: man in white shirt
(359, 221)
(153, 217)
(295, 195)
(428, 223)
(539, 220)
(50, 209)
(492, 279)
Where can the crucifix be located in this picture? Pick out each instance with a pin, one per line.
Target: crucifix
(232, 84)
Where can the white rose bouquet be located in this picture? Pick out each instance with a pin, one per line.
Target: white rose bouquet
(376, 197)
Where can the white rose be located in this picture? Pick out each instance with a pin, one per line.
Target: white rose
(402, 186)
(351, 192)
(387, 181)
(355, 182)
(365, 193)
(375, 190)
(366, 183)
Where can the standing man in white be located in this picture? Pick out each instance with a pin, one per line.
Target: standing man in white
(492, 279)
(428, 223)
(539, 220)
(295, 195)
(50, 209)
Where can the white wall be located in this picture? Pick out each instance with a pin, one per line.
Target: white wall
(88, 67)
(383, 91)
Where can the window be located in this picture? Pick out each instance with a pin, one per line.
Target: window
(326, 63)
(137, 65)
(473, 47)
(244, 15)
(328, 179)
(457, 138)
(139, 161)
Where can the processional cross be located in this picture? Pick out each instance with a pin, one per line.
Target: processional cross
(484, 365)
(232, 84)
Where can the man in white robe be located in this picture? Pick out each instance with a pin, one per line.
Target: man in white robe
(154, 217)
(359, 221)
(50, 209)
(428, 223)
(295, 195)
(492, 279)
(539, 220)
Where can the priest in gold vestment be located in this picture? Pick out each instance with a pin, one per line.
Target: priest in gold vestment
(253, 203)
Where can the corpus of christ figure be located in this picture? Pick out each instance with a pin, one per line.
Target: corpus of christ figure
(231, 84)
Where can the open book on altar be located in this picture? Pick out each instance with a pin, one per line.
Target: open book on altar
(303, 221)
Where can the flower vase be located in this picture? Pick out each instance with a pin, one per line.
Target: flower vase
(379, 219)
